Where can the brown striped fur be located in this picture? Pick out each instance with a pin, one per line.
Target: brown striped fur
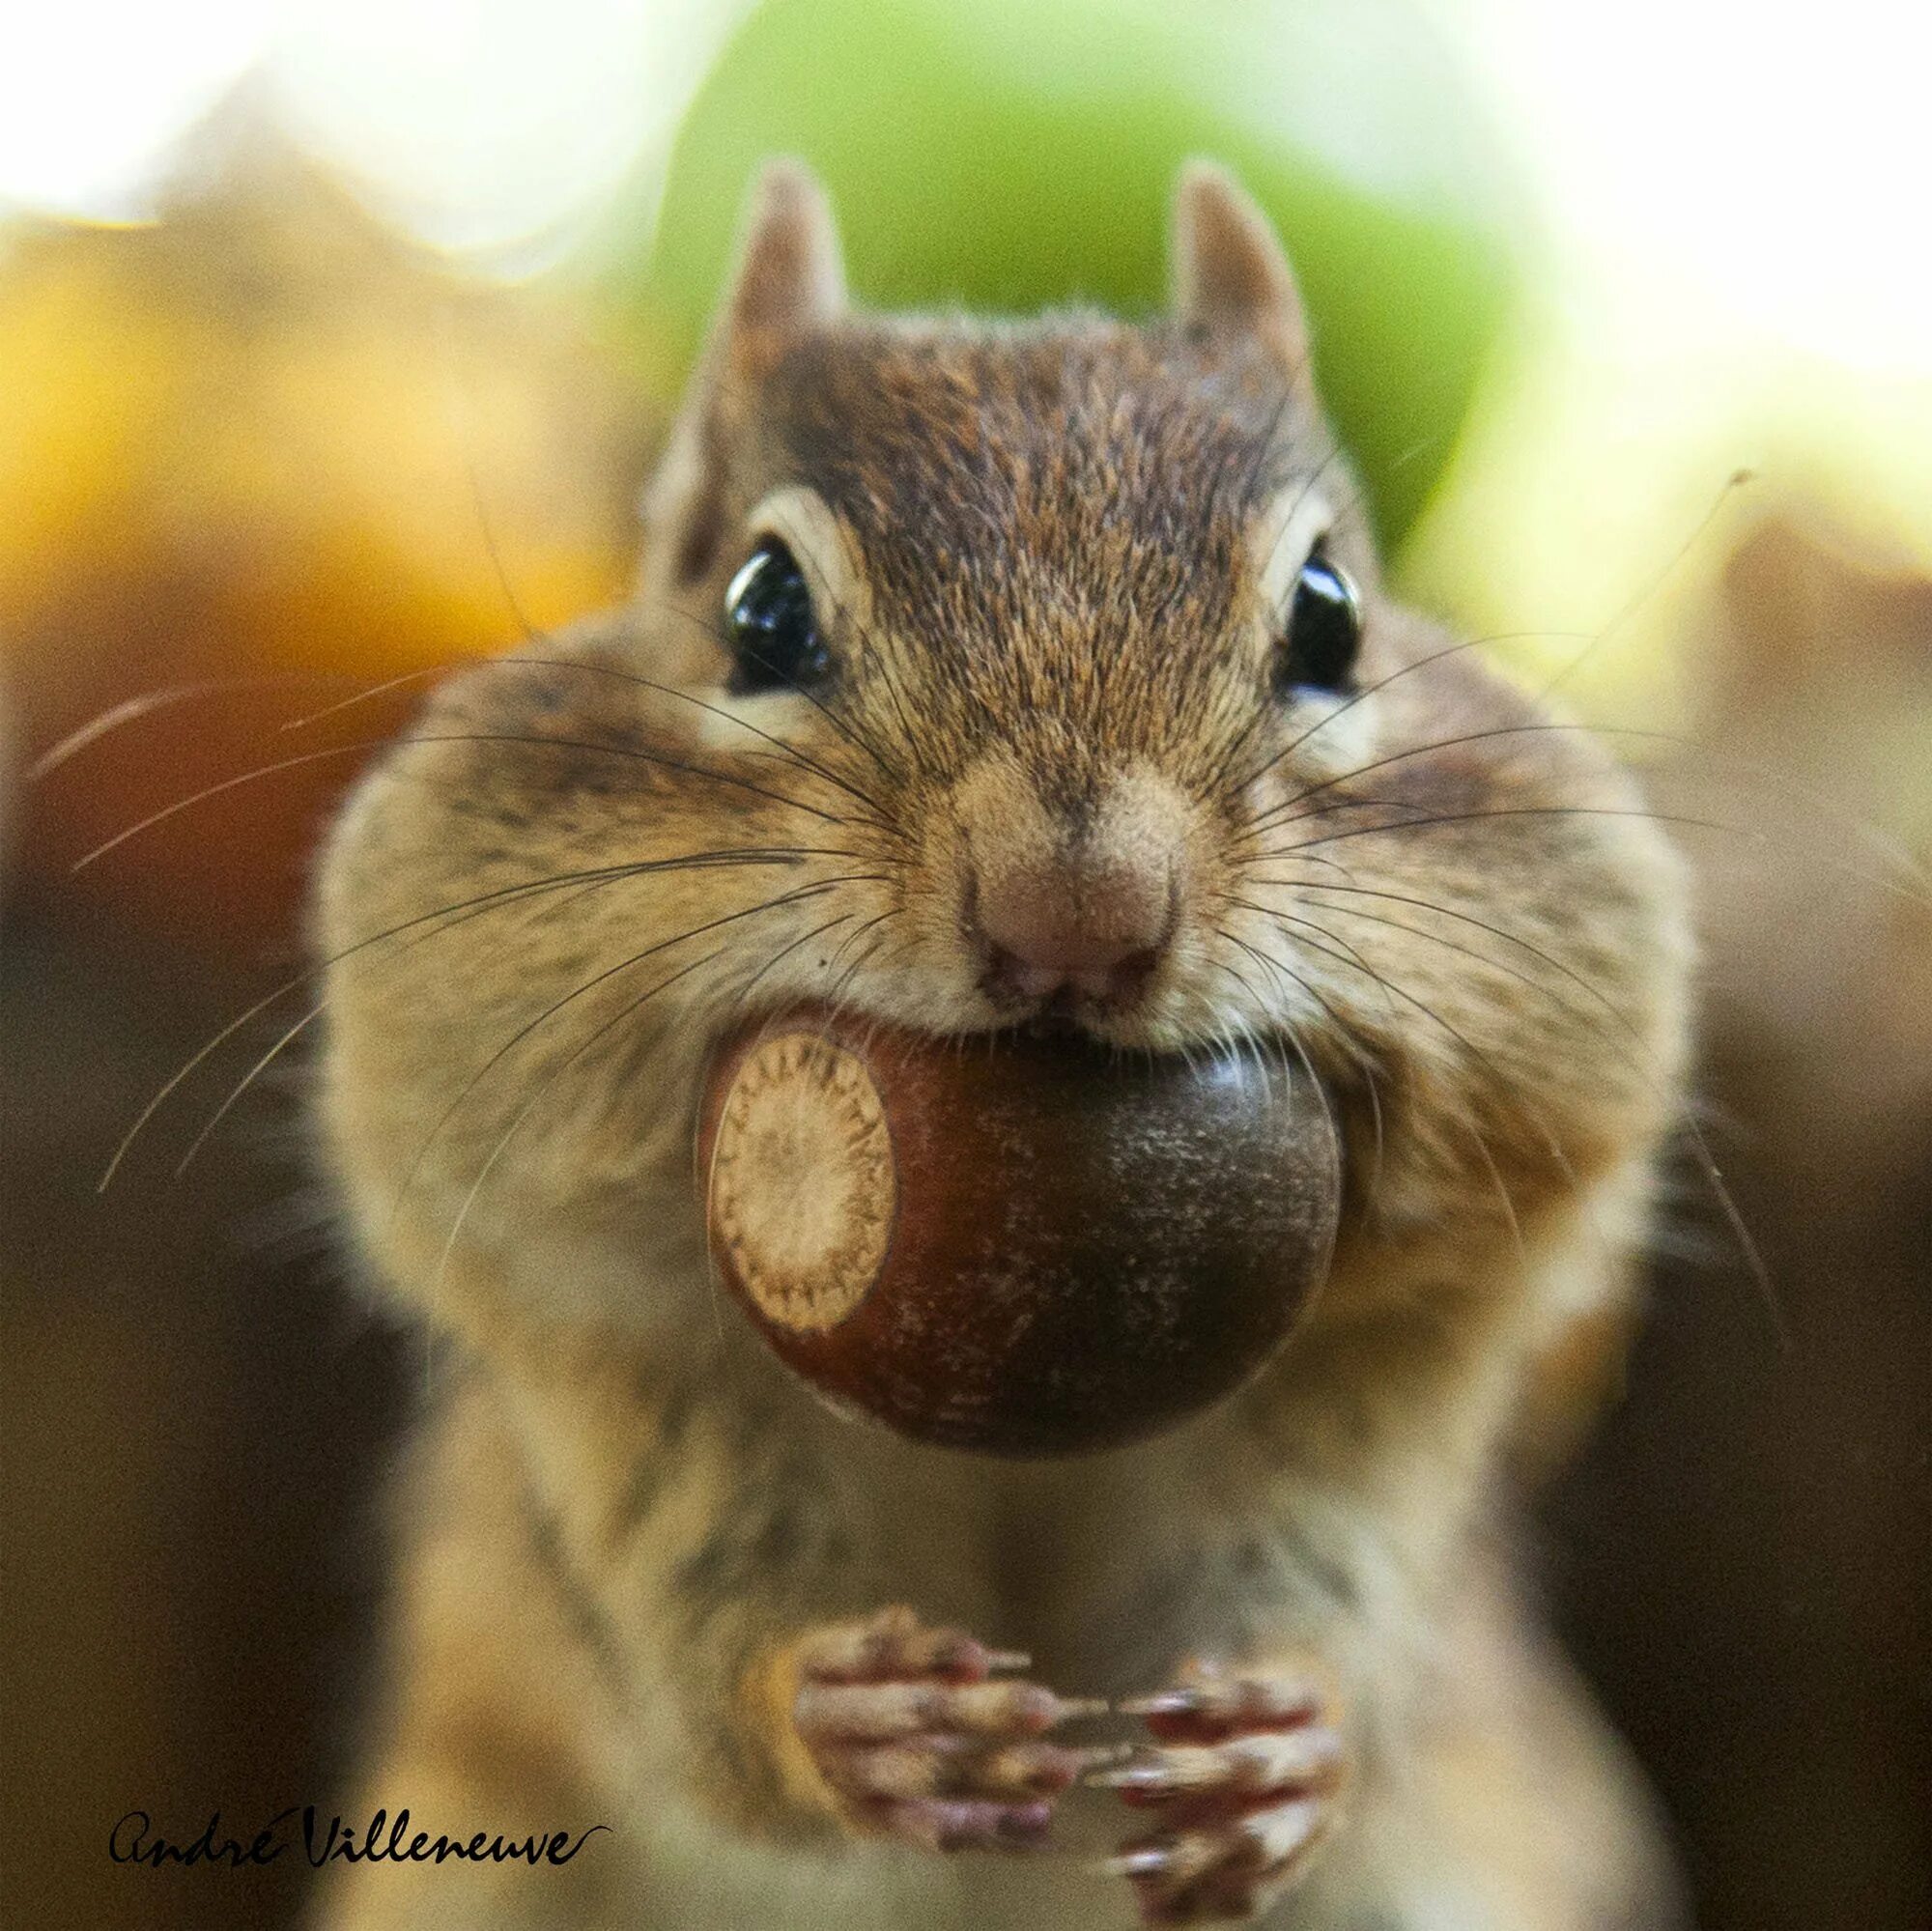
(1042, 552)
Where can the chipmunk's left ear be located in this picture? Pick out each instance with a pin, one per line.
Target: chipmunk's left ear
(1229, 276)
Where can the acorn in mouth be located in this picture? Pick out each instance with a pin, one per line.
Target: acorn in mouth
(1022, 1243)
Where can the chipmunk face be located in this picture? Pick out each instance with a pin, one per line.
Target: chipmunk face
(1088, 576)
(982, 672)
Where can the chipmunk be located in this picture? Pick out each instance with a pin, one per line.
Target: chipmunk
(978, 670)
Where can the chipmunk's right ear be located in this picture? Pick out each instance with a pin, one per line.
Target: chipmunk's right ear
(789, 280)
(790, 277)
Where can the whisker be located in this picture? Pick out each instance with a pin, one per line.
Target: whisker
(459, 399)
(1376, 1165)
(533, 634)
(860, 931)
(1515, 811)
(800, 892)
(881, 662)
(507, 893)
(1590, 640)
(1334, 1131)
(1310, 485)
(1279, 814)
(1736, 480)
(845, 727)
(881, 819)
(1275, 965)
(530, 1105)
(1906, 887)
(1277, 916)
(785, 951)
(1702, 1154)
(315, 1011)
(453, 737)
(1488, 1159)
(1394, 676)
(1542, 1127)
(146, 703)
(835, 998)
(1467, 918)
(1882, 847)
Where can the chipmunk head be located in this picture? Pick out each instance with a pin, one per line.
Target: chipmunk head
(981, 671)
(1060, 582)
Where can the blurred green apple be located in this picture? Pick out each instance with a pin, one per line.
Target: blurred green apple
(1009, 154)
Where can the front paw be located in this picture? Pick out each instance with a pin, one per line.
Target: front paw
(1243, 1777)
(928, 1736)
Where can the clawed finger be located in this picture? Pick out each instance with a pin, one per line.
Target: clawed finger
(1196, 1876)
(1252, 1764)
(963, 1824)
(1242, 1780)
(955, 1766)
(883, 1712)
(928, 1736)
(1215, 1705)
(896, 1644)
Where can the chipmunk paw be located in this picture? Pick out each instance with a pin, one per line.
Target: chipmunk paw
(930, 1737)
(1242, 1776)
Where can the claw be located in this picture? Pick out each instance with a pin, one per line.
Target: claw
(1179, 1859)
(1037, 1769)
(1142, 1861)
(1251, 1848)
(1273, 1837)
(1163, 1703)
(1243, 1700)
(1265, 1760)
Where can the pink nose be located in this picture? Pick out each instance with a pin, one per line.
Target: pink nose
(1052, 926)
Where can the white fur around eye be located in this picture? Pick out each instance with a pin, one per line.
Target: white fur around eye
(820, 545)
(1337, 734)
(803, 521)
(1283, 536)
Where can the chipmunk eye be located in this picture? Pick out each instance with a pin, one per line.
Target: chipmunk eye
(770, 624)
(1324, 630)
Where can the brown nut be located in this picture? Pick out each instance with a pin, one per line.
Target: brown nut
(1022, 1243)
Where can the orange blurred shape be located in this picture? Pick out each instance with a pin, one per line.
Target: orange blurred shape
(267, 443)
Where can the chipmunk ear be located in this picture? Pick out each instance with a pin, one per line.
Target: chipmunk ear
(790, 276)
(789, 280)
(1229, 273)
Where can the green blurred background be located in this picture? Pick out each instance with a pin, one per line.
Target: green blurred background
(1008, 156)
(335, 337)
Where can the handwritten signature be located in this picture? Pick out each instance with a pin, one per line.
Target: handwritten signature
(383, 1840)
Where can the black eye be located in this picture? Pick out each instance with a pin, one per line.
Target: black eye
(1325, 631)
(770, 625)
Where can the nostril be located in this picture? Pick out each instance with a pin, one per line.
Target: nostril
(1012, 973)
(1131, 972)
(1050, 928)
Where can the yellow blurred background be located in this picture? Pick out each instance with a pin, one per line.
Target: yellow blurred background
(335, 337)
